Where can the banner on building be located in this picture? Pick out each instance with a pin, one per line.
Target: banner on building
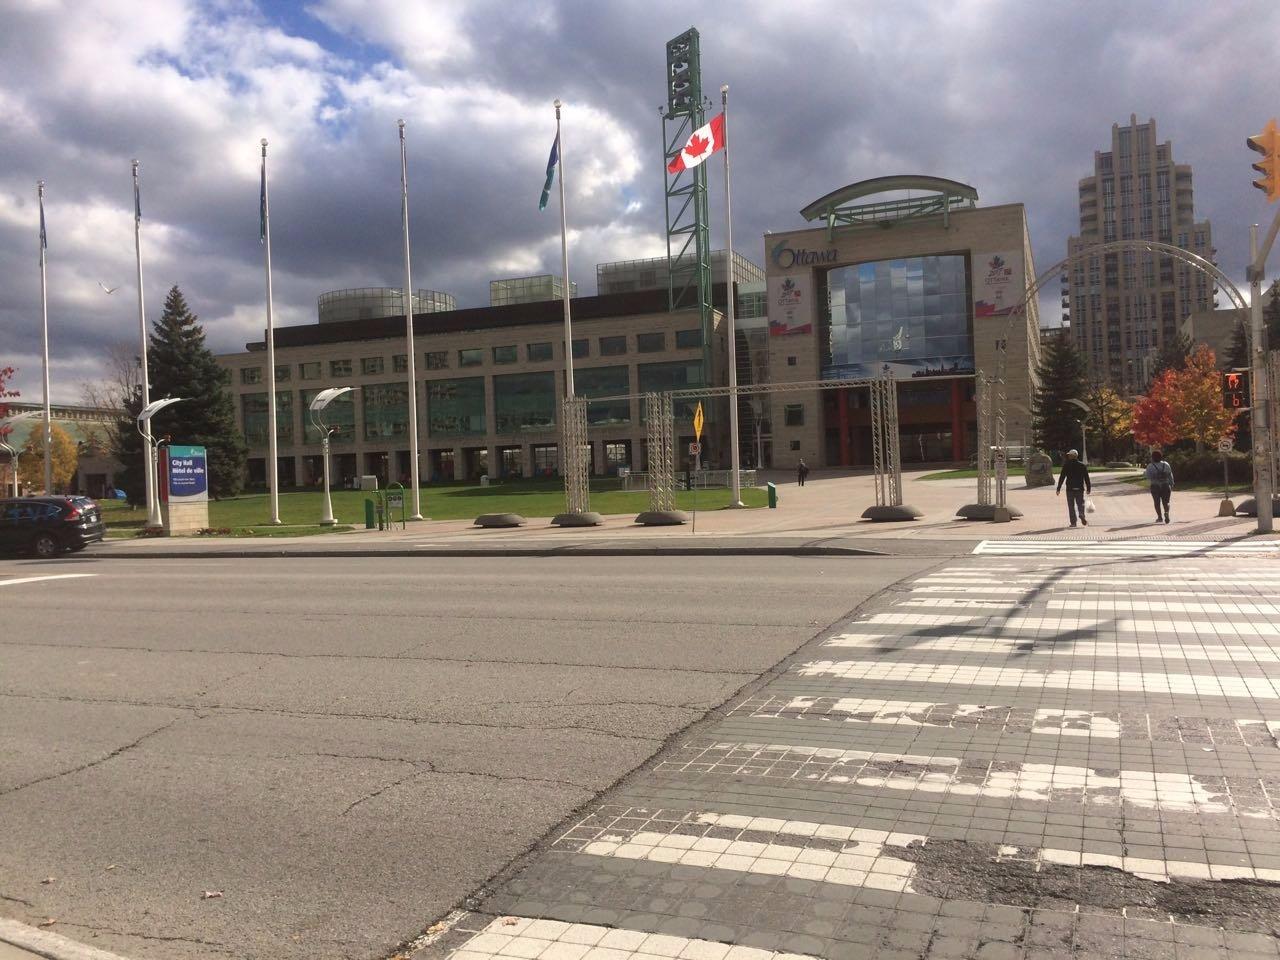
(998, 285)
(790, 305)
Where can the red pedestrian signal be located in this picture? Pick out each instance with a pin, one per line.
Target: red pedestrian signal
(1235, 390)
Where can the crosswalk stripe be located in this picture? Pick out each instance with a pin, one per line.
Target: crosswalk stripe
(14, 581)
(1073, 648)
(1058, 625)
(1123, 547)
(1108, 681)
(1168, 606)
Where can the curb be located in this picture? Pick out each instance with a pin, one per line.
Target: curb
(51, 946)
(568, 550)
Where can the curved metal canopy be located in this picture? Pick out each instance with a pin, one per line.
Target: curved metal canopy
(824, 206)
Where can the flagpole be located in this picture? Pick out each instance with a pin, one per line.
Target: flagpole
(148, 463)
(564, 266)
(734, 456)
(44, 333)
(273, 466)
(408, 328)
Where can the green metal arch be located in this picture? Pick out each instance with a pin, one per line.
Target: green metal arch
(824, 206)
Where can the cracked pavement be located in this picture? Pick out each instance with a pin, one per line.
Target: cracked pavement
(346, 750)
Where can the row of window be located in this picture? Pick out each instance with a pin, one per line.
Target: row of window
(543, 352)
(521, 402)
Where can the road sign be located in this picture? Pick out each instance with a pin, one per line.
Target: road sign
(695, 449)
(1225, 445)
(698, 420)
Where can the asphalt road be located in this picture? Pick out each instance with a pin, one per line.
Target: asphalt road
(342, 750)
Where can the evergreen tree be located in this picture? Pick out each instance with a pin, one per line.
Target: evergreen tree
(1173, 355)
(181, 365)
(1062, 377)
(128, 449)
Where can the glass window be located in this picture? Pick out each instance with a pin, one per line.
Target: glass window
(251, 375)
(689, 338)
(676, 375)
(795, 444)
(613, 346)
(254, 410)
(524, 401)
(470, 358)
(386, 410)
(651, 342)
(339, 368)
(506, 354)
(791, 361)
(908, 317)
(371, 366)
(581, 348)
(604, 382)
(793, 414)
(438, 360)
(455, 407)
(283, 371)
(340, 414)
(400, 363)
(539, 352)
(309, 371)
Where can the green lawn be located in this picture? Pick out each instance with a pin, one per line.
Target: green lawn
(1200, 486)
(960, 473)
(300, 510)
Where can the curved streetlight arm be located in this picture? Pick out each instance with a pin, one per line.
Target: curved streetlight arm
(322, 400)
(1081, 404)
(151, 409)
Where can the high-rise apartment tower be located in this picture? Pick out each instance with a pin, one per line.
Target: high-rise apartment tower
(1123, 306)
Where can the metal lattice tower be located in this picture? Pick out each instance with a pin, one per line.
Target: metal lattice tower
(998, 431)
(688, 238)
(661, 466)
(983, 387)
(878, 454)
(886, 453)
(574, 444)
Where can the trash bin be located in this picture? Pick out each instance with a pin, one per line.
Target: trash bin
(369, 520)
(484, 479)
(773, 494)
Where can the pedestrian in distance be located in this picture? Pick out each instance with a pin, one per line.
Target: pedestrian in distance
(1075, 475)
(1160, 475)
(802, 472)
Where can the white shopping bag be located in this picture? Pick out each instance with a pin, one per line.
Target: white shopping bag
(1088, 506)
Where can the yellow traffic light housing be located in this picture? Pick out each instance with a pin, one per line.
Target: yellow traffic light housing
(1267, 143)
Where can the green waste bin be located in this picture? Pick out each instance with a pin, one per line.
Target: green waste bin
(773, 495)
(369, 520)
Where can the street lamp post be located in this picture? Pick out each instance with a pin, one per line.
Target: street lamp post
(1084, 454)
(318, 404)
(153, 445)
(13, 452)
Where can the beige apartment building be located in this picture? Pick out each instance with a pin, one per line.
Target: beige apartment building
(489, 382)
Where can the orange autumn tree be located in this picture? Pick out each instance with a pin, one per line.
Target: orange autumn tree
(1153, 416)
(1198, 413)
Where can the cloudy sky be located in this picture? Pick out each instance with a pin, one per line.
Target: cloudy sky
(1012, 97)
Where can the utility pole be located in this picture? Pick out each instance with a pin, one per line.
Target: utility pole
(1266, 143)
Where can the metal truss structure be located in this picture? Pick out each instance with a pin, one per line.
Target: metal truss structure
(575, 450)
(982, 387)
(998, 439)
(886, 452)
(661, 468)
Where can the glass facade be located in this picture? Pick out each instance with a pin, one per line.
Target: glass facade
(507, 354)
(524, 401)
(340, 414)
(253, 408)
(604, 382)
(386, 410)
(910, 318)
(309, 370)
(651, 342)
(677, 375)
(471, 357)
(368, 303)
(539, 352)
(455, 408)
(613, 346)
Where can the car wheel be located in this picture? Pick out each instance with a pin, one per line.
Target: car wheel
(45, 546)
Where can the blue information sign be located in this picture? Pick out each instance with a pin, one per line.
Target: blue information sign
(188, 473)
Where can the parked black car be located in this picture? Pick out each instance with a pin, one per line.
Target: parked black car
(46, 526)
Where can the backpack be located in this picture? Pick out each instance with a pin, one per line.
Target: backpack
(1164, 475)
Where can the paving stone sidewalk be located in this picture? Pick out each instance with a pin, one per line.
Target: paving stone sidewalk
(1034, 756)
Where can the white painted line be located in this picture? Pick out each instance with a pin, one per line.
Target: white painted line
(996, 625)
(1124, 548)
(1040, 782)
(1169, 606)
(46, 944)
(1178, 650)
(511, 938)
(53, 576)
(1095, 681)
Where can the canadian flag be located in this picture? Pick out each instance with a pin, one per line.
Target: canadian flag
(701, 144)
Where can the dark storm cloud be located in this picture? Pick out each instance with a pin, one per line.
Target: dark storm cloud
(1013, 98)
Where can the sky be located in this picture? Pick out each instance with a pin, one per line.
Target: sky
(1009, 96)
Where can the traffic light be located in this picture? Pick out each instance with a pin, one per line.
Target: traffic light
(1267, 143)
(1235, 390)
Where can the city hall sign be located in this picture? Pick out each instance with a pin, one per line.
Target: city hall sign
(785, 257)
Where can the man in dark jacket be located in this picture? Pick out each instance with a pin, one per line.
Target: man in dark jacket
(1076, 477)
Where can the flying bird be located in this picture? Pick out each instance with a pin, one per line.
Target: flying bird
(108, 289)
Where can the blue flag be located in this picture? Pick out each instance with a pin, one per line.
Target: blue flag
(262, 201)
(551, 172)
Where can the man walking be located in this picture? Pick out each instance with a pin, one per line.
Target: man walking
(802, 472)
(1160, 475)
(1076, 477)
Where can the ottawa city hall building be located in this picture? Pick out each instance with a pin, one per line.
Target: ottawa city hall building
(920, 285)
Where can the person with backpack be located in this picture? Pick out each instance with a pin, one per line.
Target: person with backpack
(1076, 477)
(802, 472)
(1160, 475)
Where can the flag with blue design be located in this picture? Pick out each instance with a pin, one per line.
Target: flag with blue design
(552, 161)
(262, 201)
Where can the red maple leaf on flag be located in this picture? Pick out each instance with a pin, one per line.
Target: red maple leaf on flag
(697, 146)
